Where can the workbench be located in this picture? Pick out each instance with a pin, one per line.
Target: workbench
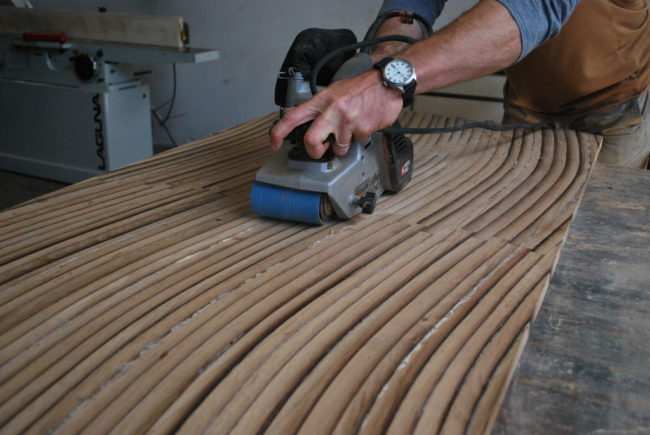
(586, 367)
(151, 298)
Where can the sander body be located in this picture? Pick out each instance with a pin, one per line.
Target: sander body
(293, 186)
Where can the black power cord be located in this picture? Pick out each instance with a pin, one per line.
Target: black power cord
(352, 47)
(162, 121)
(406, 16)
(173, 99)
(451, 129)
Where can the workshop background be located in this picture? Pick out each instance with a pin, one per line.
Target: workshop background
(150, 296)
(252, 37)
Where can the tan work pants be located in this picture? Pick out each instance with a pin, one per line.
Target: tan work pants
(625, 130)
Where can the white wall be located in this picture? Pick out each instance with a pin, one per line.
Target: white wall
(490, 86)
(252, 37)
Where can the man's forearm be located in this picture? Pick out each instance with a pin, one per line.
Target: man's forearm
(394, 26)
(535, 22)
(483, 40)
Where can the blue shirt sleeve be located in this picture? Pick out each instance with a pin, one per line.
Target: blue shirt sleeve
(538, 20)
(428, 9)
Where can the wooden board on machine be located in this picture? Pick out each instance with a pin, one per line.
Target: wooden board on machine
(152, 298)
(153, 30)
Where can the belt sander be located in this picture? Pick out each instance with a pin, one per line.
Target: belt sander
(292, 185)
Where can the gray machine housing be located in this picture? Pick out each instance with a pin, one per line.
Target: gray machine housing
(344, 179)
(60, 126)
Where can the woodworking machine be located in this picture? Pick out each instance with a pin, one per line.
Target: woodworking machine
(293, 186)
(74, 108)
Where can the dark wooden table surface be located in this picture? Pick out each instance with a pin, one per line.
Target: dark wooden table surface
(586, 367)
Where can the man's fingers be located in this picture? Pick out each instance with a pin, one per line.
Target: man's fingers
(316, 137)
(316, 142)
(354, 107)
(343, 141)
(292, 118)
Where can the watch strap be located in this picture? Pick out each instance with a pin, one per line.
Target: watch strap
(382, 63)
(380, 66)
(408, 94)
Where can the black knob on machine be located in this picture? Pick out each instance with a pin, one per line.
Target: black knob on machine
(85, 67)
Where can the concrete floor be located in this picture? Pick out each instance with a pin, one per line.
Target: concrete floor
(17, 188)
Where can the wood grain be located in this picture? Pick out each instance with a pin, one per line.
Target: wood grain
(151, 298)
(96, 26)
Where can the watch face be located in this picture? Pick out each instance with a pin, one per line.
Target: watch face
(399, 72)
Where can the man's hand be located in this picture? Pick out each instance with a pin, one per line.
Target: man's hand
(352, 108)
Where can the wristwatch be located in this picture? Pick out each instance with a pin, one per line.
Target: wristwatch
(398, 74)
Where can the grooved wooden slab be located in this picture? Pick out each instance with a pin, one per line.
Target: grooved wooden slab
(150, 298)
